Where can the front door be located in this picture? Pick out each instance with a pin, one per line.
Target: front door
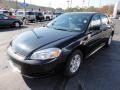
(94, 34)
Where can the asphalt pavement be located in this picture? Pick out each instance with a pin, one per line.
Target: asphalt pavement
(99, 72)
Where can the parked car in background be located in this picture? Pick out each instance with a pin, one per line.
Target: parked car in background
(29, 15)
(39, 16)
(48, 16)
(6, 21)
(5, 12)
(20, 15)
(64, 43)
(56, 14)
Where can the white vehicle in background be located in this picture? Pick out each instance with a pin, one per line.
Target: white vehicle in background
(30, 15)
(5, 12)
(48, 15)
(116, 12)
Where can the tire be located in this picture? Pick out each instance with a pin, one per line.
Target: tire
(73, 63)
(108, 43)
(48, 18)
(31, 21)
(16, 24)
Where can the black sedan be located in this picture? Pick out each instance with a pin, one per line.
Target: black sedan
(6, 21)
(63, 44)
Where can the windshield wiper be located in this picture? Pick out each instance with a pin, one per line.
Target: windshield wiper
(61, 29)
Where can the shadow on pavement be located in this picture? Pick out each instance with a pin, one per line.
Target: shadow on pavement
(53, 83)
(99, 72)
(5, 29)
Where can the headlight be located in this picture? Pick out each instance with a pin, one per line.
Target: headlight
(46, 54)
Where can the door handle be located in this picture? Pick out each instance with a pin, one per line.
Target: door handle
(87, 37)
(106, 27)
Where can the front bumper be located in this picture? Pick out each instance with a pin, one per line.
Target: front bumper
(33, 68)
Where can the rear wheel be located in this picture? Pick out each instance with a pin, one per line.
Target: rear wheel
(73, 63)
(108, 43)
(17, 24)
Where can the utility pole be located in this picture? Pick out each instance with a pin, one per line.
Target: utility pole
(49, 4)
(25, 6)
(16, 4)
(1, 3)
(68, 3)
(88, 3)
(10, 4)
(25, 12)
(71, 4)
(83, 3)
(30, 2)
(100, 4)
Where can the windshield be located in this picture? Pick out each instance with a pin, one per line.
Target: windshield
(70, 22)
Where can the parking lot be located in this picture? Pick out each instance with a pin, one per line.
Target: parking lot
(99, 72)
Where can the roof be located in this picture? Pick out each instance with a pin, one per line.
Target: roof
(90, 13)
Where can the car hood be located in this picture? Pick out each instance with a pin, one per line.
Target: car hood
(37, 38)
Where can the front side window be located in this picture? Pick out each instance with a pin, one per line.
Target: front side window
(95, 21)
(70, 22)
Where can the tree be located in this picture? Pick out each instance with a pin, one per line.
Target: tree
(107, 9)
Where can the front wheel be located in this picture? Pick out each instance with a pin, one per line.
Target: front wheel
(108, 43)
(73, 63)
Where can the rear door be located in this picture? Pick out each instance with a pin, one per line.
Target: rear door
(106, 27)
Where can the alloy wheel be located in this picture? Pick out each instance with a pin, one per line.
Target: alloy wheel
(75, 63)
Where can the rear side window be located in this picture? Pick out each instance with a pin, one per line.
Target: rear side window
(104, 19)
(95, 21)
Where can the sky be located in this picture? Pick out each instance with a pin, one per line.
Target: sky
(63, 3)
